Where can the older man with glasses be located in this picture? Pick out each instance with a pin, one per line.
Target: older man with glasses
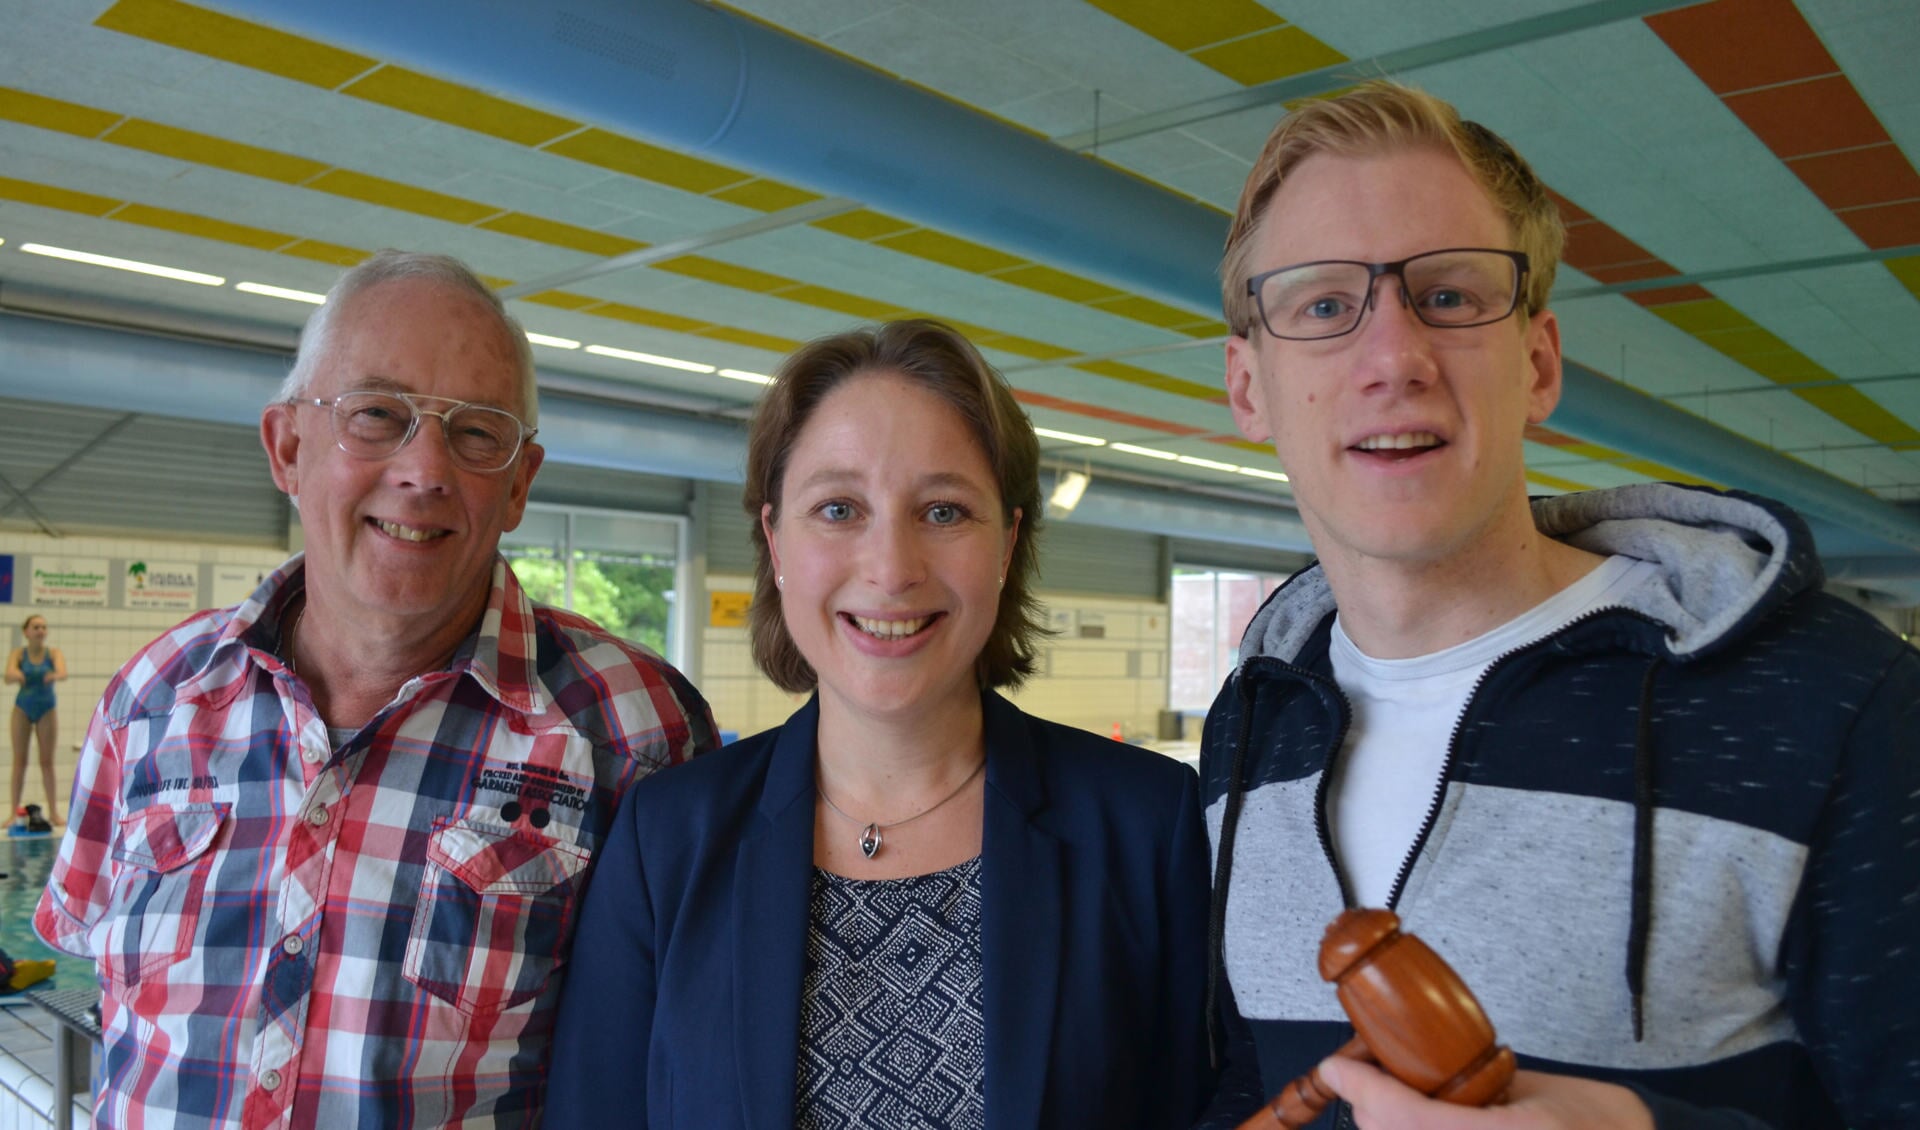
(1612, 754)
(327, 846)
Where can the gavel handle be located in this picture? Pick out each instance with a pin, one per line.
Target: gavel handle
(1302, 1100)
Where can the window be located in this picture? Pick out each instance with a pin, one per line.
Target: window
(621, 570)
(1210, 612)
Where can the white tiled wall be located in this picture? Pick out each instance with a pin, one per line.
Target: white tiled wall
(94, 641)
(1118, 679)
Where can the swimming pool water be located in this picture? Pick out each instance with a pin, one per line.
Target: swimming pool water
(27, 863)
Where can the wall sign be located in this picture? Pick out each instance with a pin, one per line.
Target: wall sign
(69, 582)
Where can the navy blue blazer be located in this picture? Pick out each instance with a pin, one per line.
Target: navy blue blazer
(682, 1003)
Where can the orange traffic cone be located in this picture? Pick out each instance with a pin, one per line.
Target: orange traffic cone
(1118, 736)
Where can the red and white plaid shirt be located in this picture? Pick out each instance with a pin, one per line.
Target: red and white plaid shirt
(291, 933)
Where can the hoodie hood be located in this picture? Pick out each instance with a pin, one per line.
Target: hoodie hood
(1725, 559)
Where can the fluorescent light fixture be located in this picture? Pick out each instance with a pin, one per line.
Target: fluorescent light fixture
(1257, 473)
(1209, 464)
(649, 359)
(1067, 490)
(743, 375)
(555, 342)
(266, 291)
(1150, 453)
(1070, 437)
(135, 266)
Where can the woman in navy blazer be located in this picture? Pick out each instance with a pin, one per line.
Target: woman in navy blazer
(912, 904)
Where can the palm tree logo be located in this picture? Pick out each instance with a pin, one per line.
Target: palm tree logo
(138, 571)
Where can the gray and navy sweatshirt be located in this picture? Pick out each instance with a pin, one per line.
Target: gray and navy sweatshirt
(1676, 845)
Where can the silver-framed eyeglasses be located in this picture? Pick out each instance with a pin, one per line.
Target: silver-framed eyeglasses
(1451, 289)
(370, 424)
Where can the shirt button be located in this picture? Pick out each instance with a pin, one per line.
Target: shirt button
(317, 817)
(270, 1079)
(314, 753)
(293, 945)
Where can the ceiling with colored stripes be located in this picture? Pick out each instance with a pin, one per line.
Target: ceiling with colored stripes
(1739, 178)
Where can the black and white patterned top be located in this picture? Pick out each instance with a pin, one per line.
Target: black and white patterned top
(892, 1016)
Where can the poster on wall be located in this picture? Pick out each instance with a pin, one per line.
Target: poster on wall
(171, 585)
(69, 582)
(6, 578)
(235, 583)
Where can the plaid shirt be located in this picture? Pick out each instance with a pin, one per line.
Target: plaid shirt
(290, 934)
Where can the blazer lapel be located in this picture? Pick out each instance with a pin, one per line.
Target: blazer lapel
(1020, 927)
(772, 872)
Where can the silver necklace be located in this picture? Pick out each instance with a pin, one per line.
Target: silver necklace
(286, 639)
(870, 830)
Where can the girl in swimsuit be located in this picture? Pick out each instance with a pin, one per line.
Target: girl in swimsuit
(35, 668)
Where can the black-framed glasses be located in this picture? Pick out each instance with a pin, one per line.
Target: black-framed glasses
(1451, 289)
(374, 425)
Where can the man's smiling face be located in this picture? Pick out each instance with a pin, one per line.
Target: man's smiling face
(1403, 441)
(411, 537)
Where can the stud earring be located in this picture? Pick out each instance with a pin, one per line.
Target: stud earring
(780, 581)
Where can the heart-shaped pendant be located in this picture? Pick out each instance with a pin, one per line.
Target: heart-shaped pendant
(870, 840)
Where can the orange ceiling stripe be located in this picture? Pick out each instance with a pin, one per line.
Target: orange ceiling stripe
(1768, 65)
(1062, 404)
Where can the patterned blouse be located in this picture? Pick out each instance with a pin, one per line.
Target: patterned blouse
(892, 1020)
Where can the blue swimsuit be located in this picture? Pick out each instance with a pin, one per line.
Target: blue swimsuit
(36, 694)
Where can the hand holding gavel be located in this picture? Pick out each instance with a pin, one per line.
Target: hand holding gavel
(1412, 1015)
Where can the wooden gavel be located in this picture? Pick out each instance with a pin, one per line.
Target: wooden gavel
(1412, 1015)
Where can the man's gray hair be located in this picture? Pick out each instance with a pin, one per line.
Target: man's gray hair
(390, 266)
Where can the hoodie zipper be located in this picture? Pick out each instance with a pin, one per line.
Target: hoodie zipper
(1460, 725)
(1344, 1118)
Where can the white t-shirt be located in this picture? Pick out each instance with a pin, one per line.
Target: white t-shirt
(1404, 712)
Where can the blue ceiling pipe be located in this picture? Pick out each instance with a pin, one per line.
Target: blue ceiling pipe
(96, 367)
(150, 373)
(717, 85)
(708, 82)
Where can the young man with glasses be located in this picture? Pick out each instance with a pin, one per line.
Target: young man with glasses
(328, 846)
(1612, 754)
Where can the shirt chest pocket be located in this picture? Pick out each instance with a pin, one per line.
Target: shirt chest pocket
(495, 911)
(162, 858)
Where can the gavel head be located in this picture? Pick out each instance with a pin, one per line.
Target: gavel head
(1415, 1015)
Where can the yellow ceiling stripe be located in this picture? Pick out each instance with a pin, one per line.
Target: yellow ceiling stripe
(750, 338)
(725, 274)
(457, 105)
(561, 299)
(47, 196)
(1555, 482)
(321, 252)
(1153, 313)
(204, 149)
(1661, 472)
(1715, 322)
(1272, 54)
(641, 316)
(763, 195)
(647, 162)
(1147, 378)
(52, 113)
(1238, 38)
(1702, 315)
(843, 302)
(204, 227)
(1185, 27)
(1855, 409)
(224, 37)
(238, 41)
(952, 251)
(1907, 270)
(864, 224)
(1059, 284)
(557, 234)
(401, 197)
